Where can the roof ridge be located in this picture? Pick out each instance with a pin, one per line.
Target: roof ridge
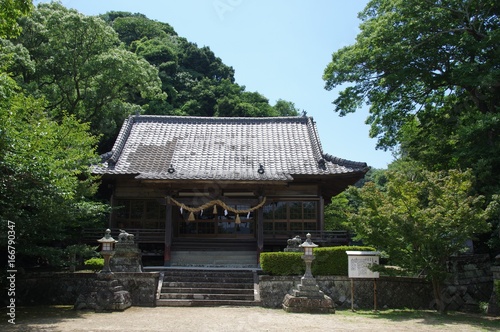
(139, 118)
(314, 136)
(345, 162)
(121, 140)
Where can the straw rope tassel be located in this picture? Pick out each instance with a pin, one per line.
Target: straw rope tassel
(191, 216)
(237, 220)
(215, 209)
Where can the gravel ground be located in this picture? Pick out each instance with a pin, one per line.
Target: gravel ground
(233, 319)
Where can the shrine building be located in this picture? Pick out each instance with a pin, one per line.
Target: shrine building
(218, 191)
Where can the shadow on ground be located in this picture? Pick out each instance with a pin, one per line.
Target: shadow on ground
(52, 318)
(428, 317)
(46, 315)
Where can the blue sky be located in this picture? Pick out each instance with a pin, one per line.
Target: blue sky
(279, 48)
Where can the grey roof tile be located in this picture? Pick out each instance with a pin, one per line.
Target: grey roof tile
(206, 148)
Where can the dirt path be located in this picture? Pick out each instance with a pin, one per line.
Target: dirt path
(234, 319)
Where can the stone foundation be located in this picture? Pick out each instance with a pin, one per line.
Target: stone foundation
(105, 294)
(391, 292)
(64, 288)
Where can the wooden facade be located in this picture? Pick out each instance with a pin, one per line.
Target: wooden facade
(241, 215)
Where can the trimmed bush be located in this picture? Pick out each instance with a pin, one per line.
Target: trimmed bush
(282, 263)
(328, 261)
(95, 264)
(333, 260)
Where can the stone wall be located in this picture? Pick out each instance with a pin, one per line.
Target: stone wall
(391, 292)
(469, 283)
(64, 288)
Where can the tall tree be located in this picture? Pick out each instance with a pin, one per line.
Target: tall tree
(45, 185)
(46, 188)
(419, 56)
(10, 11)
(429, 71)
(82, 68)
(420, 219)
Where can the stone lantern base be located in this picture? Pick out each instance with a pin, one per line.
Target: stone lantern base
(105, 294)
(308, 298)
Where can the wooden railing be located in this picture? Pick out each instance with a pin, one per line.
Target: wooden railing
(142, 235)
(318, 237)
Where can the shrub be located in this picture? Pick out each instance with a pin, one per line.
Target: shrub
(95, 264)
(496, 285)
(282, 263)
(328, 261)
(333, 260)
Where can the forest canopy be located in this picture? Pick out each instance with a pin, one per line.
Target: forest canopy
(67, 83)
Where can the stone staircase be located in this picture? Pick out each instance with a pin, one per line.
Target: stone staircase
(207, 287)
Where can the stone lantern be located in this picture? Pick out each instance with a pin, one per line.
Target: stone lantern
(107, 249)
(308, 297)
(308, 256)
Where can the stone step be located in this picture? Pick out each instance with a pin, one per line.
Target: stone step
(207, 272)
(214, 258)
(176, 284)
(201, 296)
(245, 289)
(202, 287)
(202, 303)
(209, 279)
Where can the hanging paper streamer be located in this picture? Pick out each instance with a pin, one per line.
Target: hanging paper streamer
(182, 210)
(225, 212)
(214, 203)
(248, 215)
(201, 212)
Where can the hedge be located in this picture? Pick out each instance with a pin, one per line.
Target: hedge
(95, 264)
(328, 261)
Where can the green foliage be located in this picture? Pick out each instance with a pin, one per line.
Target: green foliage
(95, 264)
(421, 219)
(429, 71)
(334, 260)
(10, 11)
(81, 68)
(45, 181)
(336, 213)
(496, 286)
(282, 263)
(285, 108)
(419, 56)
(328, 261)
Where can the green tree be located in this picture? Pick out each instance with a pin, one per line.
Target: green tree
(418, 57)
(285, 108)
(45, 181)
(429, 72)
(10, 11)
(336, 213)
(81, 68)
(420, 219)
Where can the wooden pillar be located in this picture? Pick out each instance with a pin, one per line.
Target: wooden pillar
(168, 234)
(321, 214)
(260, 230)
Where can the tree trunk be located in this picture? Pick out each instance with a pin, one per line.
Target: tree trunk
(436, 287)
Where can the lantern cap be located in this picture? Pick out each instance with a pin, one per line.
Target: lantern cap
(308, 242)
(107, 238)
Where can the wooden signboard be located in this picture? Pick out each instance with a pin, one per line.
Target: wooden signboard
(360, 263)
(359, 267)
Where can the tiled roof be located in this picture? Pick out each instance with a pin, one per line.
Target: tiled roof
(204, 148)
